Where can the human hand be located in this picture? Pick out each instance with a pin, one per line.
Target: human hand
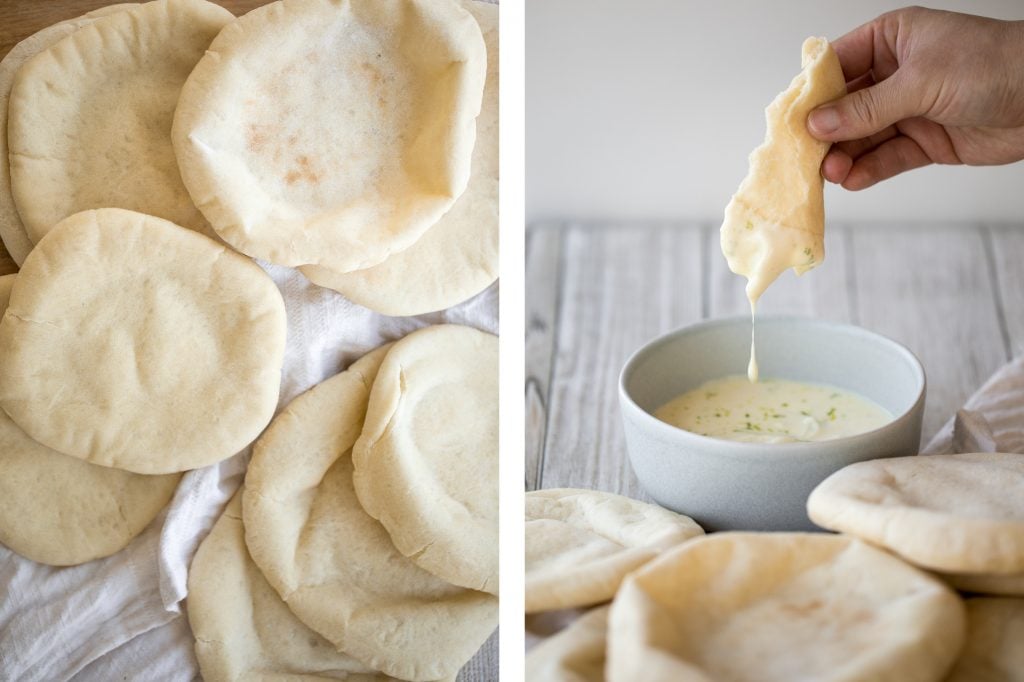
(925, 86)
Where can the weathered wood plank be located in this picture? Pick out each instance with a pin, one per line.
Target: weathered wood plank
(823, 292)
(931, 289)
(543, 255)
(621, 287)
(1006, 248)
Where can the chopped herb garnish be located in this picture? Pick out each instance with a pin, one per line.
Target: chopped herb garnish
(831, 414)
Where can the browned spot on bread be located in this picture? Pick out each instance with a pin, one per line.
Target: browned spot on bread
(306, 172)
(257, 136)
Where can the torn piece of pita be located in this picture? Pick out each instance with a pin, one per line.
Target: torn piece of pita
(776, 219)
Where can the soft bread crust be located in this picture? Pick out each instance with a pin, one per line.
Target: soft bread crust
(243, 630)
(332, 563)
(723, 606)
(952, 513)
(133, 343)
(61, 511)
(581, 544)
(426, 463)
(776, 219)
(994, 650)
(332, 132)
(576, 654)
(12, 231)
(457, 257)
(90, 116)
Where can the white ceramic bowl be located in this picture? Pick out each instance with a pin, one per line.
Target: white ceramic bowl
(726, 485)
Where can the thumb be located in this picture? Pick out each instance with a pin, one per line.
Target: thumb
(866, 112)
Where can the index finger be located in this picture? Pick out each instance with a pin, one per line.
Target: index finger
(869, 48)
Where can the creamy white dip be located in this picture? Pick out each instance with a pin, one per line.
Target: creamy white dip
(772, 411)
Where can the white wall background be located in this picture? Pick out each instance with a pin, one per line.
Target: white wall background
(647, 109)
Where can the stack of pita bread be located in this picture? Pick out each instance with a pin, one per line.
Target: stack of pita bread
(875, 602)
(155, 150)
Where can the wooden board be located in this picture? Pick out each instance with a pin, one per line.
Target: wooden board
(953, 293)
(21, 18)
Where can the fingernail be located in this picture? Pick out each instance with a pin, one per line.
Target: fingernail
(824, 120)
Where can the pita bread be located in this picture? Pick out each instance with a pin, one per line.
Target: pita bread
(426, 463)
(458, 257)
(576, 654)
(723, 607)
(90, 116)
(12, 232)
(776, 219)
(580, 544)
(335, 566)
(994, 651)
(61, 511)
(242, 628)
(332, 132)
(1011, 585)
(133, 343)
(951, 513)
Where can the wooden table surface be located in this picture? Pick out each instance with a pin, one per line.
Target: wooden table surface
(952, 293)
(20, 19)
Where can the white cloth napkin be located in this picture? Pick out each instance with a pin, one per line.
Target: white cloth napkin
(122, 618)
(992, 420)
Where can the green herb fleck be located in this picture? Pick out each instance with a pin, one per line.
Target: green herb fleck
(750, 225)
(807, 251)
(831, 414)
(805, 413)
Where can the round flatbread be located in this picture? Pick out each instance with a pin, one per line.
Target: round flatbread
(133, 343)
(1011, 585)
(426, 463)
(576, 654)
(61, 511)
(729, 605)
(994, 651)
(335, 566)
(332, 132)
(951, 513)
(580, 544)
(90, 116)
(12, 232)
(458, 257)
(242, 628)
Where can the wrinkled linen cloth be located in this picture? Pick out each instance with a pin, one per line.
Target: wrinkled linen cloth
(992, 420)
(123, 617)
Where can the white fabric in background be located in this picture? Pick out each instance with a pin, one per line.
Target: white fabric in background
(121, 618)
(1000, 403)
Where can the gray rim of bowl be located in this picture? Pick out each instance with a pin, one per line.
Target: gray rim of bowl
(744, 449)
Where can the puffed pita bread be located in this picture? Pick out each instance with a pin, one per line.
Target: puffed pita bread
(62, 511)
(576, 654)
(776, 219)
(782, 607)
(951, 513)
(580, 544)
(994, 651)
(335, 566)
(332, 132)
(90, 116)
(426, 463)
(458, 256)
(12, 232)
(243, 630)
(134, 343)
(1011, 585)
